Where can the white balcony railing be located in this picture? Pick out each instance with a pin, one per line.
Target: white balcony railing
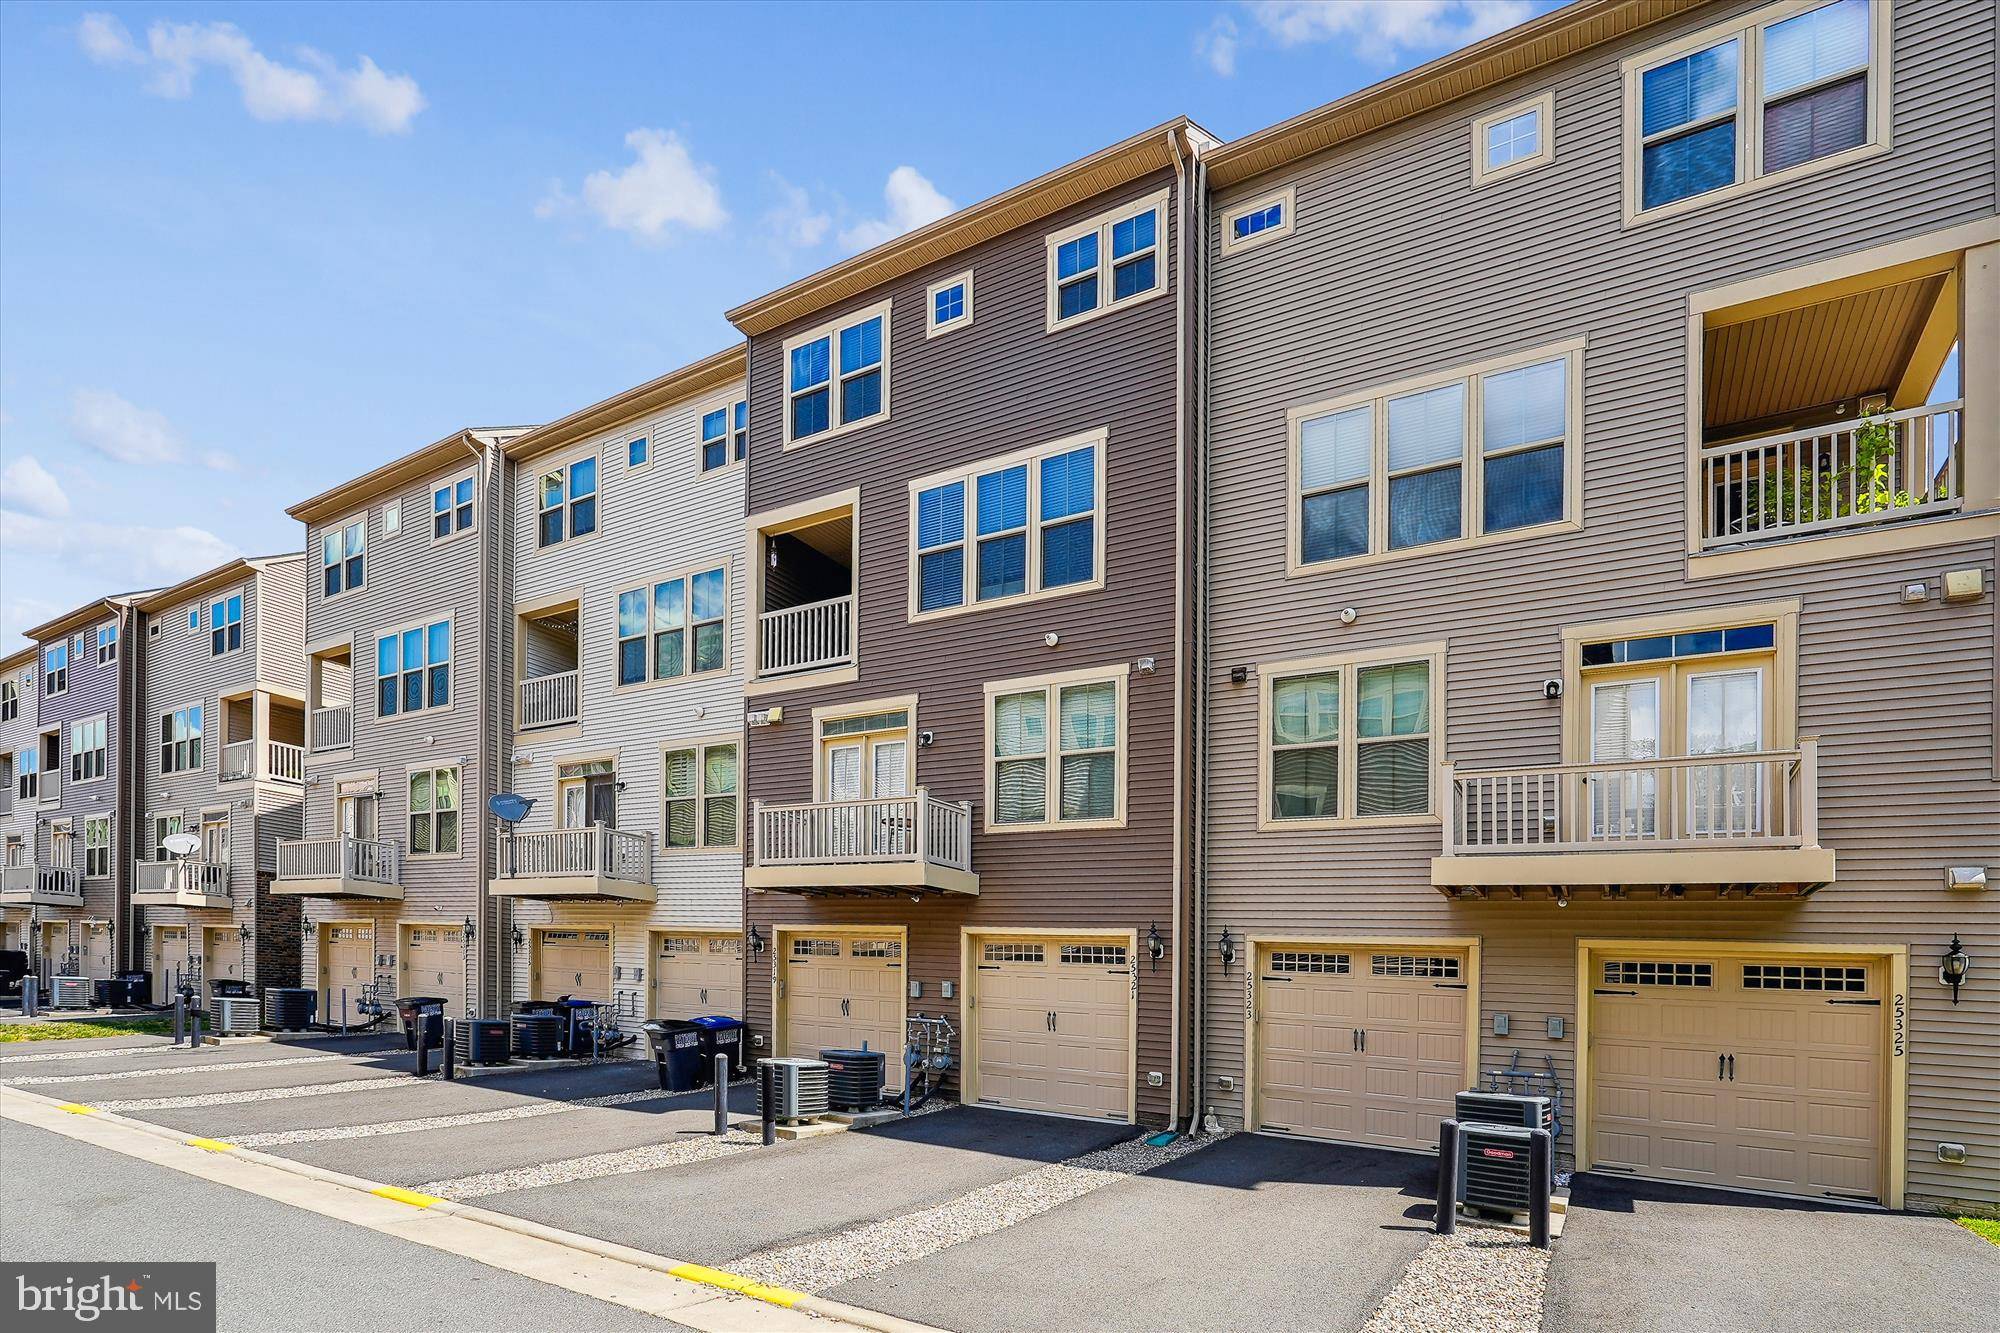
(803, 638)
(239, 762)
(375, 860)
(331, 728)
(1765, 799)
(209, 879)
(547, 701)
(597, 850)
(915, 829)
(51, 786)
(1856, 474)
(286, 762)
(40, 886)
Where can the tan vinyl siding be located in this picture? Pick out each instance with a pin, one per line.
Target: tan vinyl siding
(1398, 267)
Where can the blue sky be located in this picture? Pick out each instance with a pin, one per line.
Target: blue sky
(249, 251)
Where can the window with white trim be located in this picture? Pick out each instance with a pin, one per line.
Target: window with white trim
(699, 783)
(107, 644)
(55, 669)
(392, 518)
(451, 508)
(566, 498)
(675, 627)
(10, 700)
(97, 847)
(1026, 523)
(1514, 139)
(225, 616)
(433, 812)
(1111, 261)
(725, 435)
(1349, 740)
(343, 557)
(948, 304)
(1054, 756)
(1253, 222)
(837, 375)
(89, 745)
(27, 774)
(180, 740)
(1785, 86)
(413, 668)
(163, 827)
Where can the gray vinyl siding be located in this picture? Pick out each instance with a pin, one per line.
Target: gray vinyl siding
(17, 818)
(1398, 267)
(93, 690)
(281, 659)
(1003, 384)
(666, 517)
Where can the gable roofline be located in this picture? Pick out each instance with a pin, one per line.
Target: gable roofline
(1518, 50)
(87, 614)
(1106, 169)
(230, 571)
(20, 657)
(712, 372)
(400, 472)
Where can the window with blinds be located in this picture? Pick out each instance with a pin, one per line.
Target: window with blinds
(1350, 741)
(699, 784)
(1068, 774)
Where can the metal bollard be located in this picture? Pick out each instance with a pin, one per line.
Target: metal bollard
(180, 1017)
(194, 1026)
(1540, 1147)
(450, 1049)
(30, 999)
(423, 1044)
(767, 1099)
(721, 1095)
(1447, 1184)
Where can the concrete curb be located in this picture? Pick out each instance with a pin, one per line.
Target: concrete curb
(718, 1278)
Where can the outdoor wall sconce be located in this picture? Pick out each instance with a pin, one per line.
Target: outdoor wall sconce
(756, 941)
(518, 939)
(1226, 948)
(471, 928)
(244, 933)
(1155, 946)
(1955, 967)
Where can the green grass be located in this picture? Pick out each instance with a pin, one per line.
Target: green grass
(1982, 1226)
(90, 1027)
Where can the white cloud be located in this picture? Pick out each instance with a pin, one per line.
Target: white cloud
(663, 188)
(127, 433)
(795, 223)
(1383, 30)
(912, 201)
(1218, 45)
(119, 555)
(176, 53)
(27, 487)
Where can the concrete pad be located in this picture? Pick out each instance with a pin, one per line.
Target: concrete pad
(1254, 1232)
(1645, 1255)
(714, 1211)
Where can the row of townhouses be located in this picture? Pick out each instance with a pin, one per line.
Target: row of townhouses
(1494, 571)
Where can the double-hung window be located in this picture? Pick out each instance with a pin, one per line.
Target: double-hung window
(567, 499)
(88, 747)
(180, 740)
(1055, 756)
(97, 847)
(725, 435)
(1467, 454)
(837, 376)
(434, 812)
(1026, 524)
(27, 774)
(948, 304)
(700, 785)
(55, 669)
(10, 700)
(343, 556)
(107, 644)
(225, 617)
(675, 627)
(1110, 261)
(451, 508)
(1794, 83)
(1349, 740)
(413, 669)
(163, 827)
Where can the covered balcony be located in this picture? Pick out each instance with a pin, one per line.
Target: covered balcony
(884, 845)
(340, 867)
(330, 700)
(181, 884)
(262, 740)
(546, 692)
(598, 863)
(40, 886)
(805, 615)
(1734, 825)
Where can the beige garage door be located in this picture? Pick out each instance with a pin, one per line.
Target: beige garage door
(221, 956)
(1360, 1046)
(97, 961)
(695, 975)
(346, 969)
(432, 962)
(576, 963)
(169, 961)
(1756, 1073)
(1053, 1026)
(842, 991)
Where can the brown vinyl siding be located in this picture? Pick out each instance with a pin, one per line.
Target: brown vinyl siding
(1003, 384)
(1399, 267)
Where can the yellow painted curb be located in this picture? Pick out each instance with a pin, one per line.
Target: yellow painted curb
(211, 1145)
(742, 1286)
(401, 1195)
(76, 1108)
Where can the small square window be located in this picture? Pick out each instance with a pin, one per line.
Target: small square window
(948, 305)
(1514, 139)
(635, 452)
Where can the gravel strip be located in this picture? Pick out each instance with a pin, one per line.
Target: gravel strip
(101, 1053)
(179, 1069)
(280, 1137)
(1476, 1278)
(824, 1264)
(261, 1094)
(696, 1148)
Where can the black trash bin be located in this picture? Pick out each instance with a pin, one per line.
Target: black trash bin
(101, 992)
(578, 1017)
(130, 990)
(722, 1035)
(677, 1052)
(431, 1007)
(234, 988)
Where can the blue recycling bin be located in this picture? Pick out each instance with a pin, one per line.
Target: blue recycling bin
(722, 1035)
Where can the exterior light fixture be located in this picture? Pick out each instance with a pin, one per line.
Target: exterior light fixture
(1226, 948)
(518, 939)
(471, 928)
(1562, 897)
(1957, 964)
(1156, 947)
(243, 932)
(756, 941)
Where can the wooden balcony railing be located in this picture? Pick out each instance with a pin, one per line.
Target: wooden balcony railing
(374, 860)
(331, 728)
(547, 701)
(597, 850)
(804, 638)
(917, 829)
(286, 762)
(1856, 474)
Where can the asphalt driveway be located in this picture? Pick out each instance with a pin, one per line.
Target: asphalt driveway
(1640, 1255)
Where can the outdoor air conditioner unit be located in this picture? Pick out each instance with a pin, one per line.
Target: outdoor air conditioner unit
(1493, 1167)
(234, 1015)
(798, 1088)
(1504, 1108)
(72, 992)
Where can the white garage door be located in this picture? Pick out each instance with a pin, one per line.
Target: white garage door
(346, 971)
(169, 962)
(1761, 1074)
(221, 956)
(1360, 1046)
(695, 975)
(576, 963)
(433, 963)
(842, 991)
(1052, 1020)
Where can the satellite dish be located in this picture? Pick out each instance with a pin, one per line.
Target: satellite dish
(182, 844)
(508, 807)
